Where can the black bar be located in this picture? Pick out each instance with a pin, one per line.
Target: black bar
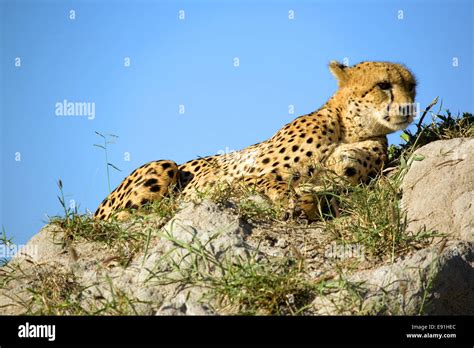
(242, 330)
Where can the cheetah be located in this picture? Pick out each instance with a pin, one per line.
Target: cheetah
(347, 135)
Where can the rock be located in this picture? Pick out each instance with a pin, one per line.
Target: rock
(438, 195)
(206, 225)
(438, 191)
(431, 281)
(201, 226)
(181, 305)
(44, 246)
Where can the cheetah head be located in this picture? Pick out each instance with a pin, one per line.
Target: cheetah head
(378, 96)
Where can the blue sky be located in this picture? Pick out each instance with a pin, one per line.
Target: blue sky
(190, 62)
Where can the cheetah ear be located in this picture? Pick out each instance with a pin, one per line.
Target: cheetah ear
(339, 71)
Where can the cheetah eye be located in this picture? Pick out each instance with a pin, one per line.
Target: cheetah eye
(384, 85)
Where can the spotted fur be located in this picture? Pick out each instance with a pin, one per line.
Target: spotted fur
(347, 135)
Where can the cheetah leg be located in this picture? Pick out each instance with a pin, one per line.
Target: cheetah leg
(148, 183)
(355, 163)
(284, 192)
(358, 162)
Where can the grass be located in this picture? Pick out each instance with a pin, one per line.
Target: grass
(249, 204)
(166, 208)
(124, 241)
(429, 279)
(246, 285)
(251, 284)
(370, 215)
(106, 141)
(5, 245)
(51, 290)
